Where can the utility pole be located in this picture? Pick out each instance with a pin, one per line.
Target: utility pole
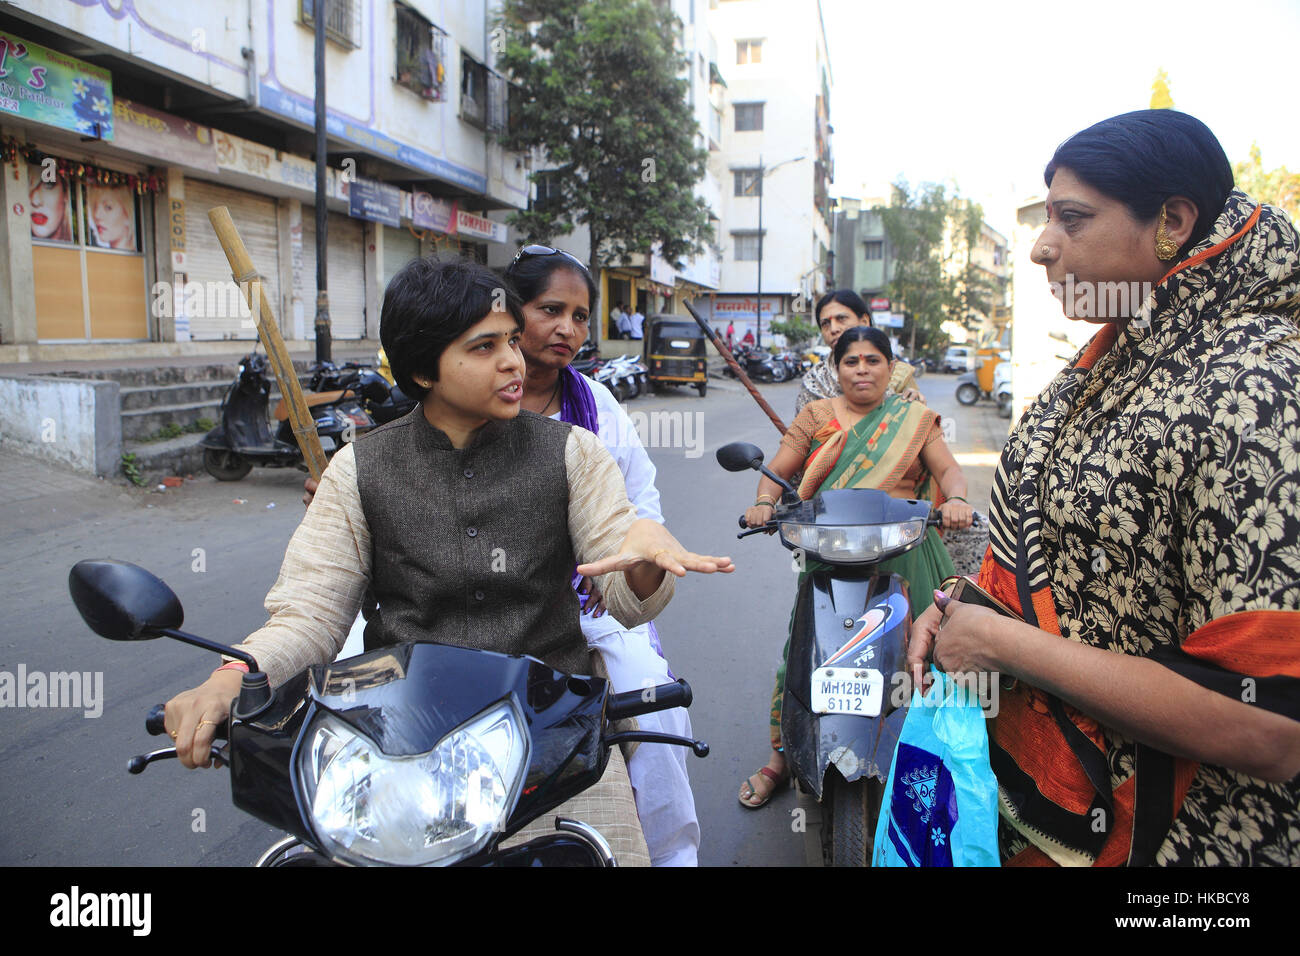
(321, 9)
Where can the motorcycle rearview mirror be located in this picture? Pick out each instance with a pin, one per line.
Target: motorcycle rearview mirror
(122, 601)
(739, 456)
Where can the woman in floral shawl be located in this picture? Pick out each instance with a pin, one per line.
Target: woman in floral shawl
(1146, 524)
(863, 438)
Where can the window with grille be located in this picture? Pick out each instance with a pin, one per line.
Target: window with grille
(342, 20)
(747, 182)
(875, 249)
(749, 116)
(498, 102)
(421, 55)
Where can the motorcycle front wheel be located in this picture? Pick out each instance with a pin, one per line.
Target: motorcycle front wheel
(849, 814)
(780, 373)
(225, 465)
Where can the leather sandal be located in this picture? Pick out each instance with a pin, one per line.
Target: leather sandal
(778, 781)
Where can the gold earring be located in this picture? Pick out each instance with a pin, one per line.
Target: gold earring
(1166, 248)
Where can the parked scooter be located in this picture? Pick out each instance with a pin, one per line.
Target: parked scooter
(624, 375)
(244, 439)
(382, 401)
(842, 710)
(418, 754)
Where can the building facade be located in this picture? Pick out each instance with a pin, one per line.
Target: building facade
(124, 125)
(775, 155)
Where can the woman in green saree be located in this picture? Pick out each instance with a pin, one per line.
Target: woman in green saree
(864, 439)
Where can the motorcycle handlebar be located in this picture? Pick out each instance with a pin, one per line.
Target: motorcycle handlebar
(154, 725)
(634, 703)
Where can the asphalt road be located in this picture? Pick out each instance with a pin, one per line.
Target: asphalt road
(67, 799)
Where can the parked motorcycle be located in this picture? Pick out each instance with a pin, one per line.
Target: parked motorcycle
(244, 439)
(759, 365)
(417, 754)
(842, 710)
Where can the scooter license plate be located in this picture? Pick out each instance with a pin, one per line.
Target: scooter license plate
(858, 691)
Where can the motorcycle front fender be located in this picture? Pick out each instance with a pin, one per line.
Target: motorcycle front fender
(855, 746)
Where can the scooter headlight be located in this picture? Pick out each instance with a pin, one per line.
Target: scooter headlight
(433, 808)
(852, 543)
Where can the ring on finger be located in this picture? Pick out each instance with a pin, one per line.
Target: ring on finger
(202, 722)
(172, 734)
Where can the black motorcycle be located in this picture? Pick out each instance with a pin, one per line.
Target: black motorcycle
(845, 691)
(759, 364)
(417, 754)
(244, 438)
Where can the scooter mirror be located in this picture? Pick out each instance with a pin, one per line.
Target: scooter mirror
(740, 456)
(122, 601)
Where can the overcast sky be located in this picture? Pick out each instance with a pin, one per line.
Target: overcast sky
(984, 92)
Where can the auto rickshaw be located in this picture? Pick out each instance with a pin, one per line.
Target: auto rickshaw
(973, 386)
(674, 352)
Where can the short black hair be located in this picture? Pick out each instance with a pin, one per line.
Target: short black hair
(428, 305)
(530, 275)
(845, 297)
(1144, 157)
(862, 333)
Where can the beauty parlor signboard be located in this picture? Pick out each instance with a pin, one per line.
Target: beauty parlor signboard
(45, 86)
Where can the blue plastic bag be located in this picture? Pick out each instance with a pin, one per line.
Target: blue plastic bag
(940, 805)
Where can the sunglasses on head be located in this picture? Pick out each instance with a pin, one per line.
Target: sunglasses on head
(528, 252)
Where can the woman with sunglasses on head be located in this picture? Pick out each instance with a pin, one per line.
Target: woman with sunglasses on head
(464, 520)
(557, 292)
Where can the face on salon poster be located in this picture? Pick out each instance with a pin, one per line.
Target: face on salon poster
(50, 201)
(112, 217)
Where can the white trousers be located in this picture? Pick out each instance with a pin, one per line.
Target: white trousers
(664, 801)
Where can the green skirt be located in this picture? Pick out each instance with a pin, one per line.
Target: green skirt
(923, 568)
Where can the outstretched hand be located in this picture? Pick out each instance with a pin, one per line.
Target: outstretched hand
(647, 551)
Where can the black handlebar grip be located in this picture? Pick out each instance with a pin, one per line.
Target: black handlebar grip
(154, 722)
(743, 523)
(633, 703)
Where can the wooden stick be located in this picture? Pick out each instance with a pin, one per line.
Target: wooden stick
(735, 367)
(250, 283)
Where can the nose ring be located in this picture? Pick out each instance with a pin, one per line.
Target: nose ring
(1045, 250)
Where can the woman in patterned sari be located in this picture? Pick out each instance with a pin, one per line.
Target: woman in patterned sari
(1145, 524)
(864, 438)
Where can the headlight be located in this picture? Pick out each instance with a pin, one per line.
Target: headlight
(852, 543)
(431, 808)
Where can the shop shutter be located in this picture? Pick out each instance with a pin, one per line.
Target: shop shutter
(400, 247)
(346, 280)
(255, 218)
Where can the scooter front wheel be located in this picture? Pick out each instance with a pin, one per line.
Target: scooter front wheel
(225, 465)
(849, 814)
(968, 394)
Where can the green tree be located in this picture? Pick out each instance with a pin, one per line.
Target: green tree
(1161, 98)
(603, 100)
(915, 221)
(1278, 187)
(934, 234)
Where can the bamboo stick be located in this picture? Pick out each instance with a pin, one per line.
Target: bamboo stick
(735, 367)
(250, 284)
